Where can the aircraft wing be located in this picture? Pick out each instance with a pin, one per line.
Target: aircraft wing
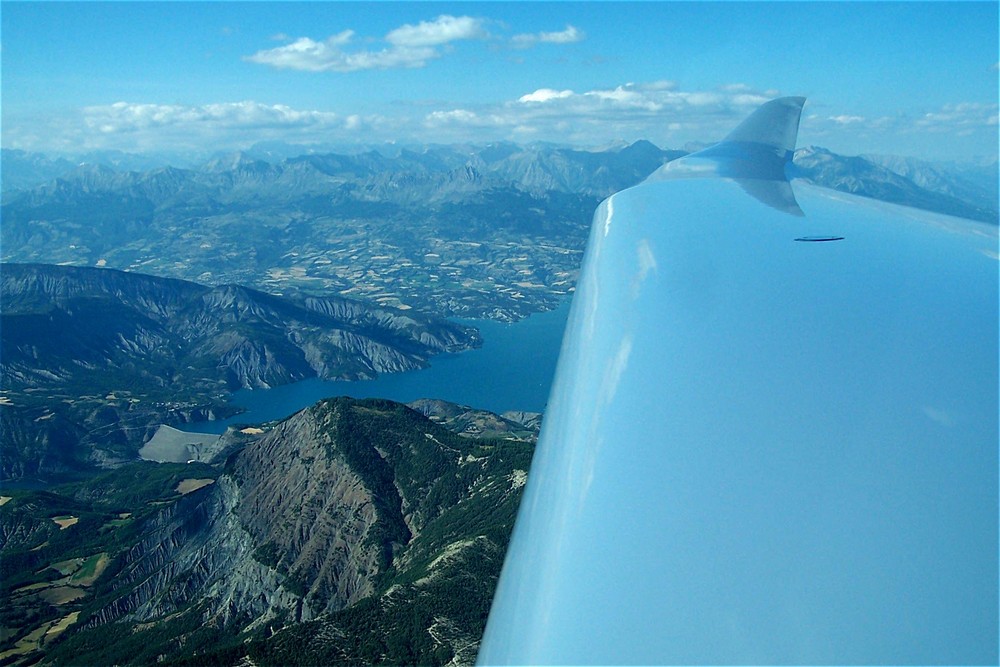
(773, 432)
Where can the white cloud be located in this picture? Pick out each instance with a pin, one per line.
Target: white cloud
(845, 119)
(156, 127)
(440, 31)
(455, 115)
(705, 99)
(947, 132)
(568, 36)
(752, 99)
(628, 96)
(307, 54)
(964, 116)
(128, 117)
(545, 95)
(655, 97)
(659, 111)
(658, 85)
(463, 119)
(408, 46)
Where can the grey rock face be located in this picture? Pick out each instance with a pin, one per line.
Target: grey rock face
(348, 525)
(313, 514)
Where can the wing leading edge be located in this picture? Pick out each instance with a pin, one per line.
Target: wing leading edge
(762, 450)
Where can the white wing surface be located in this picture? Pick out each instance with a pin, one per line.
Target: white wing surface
(773, 433)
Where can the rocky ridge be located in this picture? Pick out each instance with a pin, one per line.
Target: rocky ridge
(352, 532)
(901, 181)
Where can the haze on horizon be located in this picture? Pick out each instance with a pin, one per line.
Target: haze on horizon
(914, 79)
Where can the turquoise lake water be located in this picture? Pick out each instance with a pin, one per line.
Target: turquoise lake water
(512, 371)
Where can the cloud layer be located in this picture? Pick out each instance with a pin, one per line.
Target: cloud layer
(406, 46)
(156, 127)
(125, 117)
(660, 111)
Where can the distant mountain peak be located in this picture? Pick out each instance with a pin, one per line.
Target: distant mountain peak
(812, 150)
(239, 160)
(967, 193)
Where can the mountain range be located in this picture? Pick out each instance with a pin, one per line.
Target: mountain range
(966, 191)
(492, 231)
(398, 175)
(409, 174)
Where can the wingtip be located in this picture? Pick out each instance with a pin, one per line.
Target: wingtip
(755, 155)
(774, 124)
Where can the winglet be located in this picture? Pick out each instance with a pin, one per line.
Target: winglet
(753, 154)
(774, 124)
(759, 147)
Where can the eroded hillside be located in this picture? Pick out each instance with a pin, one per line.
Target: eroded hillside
(353, 532)
(93, 360)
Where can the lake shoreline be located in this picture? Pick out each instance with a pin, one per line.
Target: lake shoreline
(513, 370)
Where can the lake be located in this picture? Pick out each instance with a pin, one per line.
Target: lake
(512, 371)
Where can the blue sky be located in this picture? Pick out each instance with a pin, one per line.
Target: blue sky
(918, 79)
